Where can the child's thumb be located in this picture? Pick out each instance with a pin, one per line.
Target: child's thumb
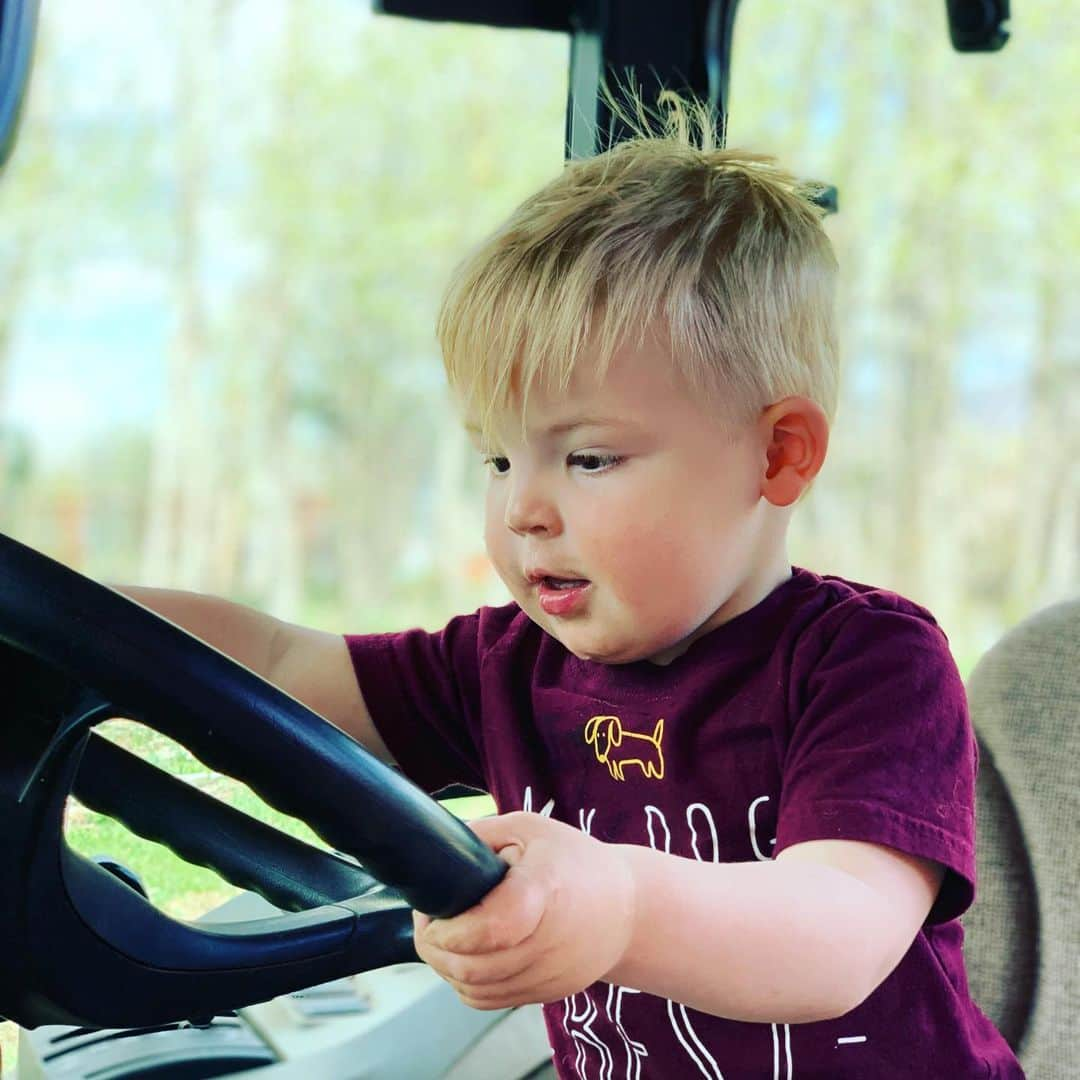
(501, 836)
(511, 853)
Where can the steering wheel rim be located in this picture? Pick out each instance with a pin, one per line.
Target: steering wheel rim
(76, 653)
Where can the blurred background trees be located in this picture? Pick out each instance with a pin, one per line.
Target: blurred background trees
(953, 475)
(227, 225)
(226, 228)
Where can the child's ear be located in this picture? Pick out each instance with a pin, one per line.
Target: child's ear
(795, 433)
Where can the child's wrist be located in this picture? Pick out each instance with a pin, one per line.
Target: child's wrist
(639, 872)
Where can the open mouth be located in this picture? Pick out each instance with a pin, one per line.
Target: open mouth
(559, 595)
(562, 583)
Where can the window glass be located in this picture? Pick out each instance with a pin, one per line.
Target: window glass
(954, 468)
(227, 225)
(228, 228)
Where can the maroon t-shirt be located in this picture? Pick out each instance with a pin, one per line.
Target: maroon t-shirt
(829, 710)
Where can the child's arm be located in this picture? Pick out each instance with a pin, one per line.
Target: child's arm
(312, 666)
(805, 937)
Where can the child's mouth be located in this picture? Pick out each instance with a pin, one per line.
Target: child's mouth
(561, 596)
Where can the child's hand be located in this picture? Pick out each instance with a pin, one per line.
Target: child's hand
(558, 921)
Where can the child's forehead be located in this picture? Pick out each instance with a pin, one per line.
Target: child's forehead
(628, 392)
(546, 417)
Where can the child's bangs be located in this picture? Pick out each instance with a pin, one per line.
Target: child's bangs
(505, 331)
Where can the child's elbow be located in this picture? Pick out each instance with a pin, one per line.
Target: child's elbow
(827, 1006)
(850, 987)
(829, 1003)
(836, 1004)
(809, 994)
(831, 988)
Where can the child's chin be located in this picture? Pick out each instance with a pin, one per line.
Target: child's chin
(585, 639)
(600, 652)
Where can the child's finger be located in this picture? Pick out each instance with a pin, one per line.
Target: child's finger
(481, 970)
(506, 917)
(503, 830)
(526, 988)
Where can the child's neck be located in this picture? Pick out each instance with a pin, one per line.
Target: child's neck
(767, 575)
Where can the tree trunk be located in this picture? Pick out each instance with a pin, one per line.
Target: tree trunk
(178, 538)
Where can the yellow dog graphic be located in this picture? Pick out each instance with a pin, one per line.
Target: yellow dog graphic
(614, 746)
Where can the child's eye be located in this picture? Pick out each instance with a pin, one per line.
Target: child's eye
(592, 462)
(497, 465)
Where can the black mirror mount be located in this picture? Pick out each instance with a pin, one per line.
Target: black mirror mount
(978, 25)
(684, 46)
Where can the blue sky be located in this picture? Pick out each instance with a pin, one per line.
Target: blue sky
(89, 361)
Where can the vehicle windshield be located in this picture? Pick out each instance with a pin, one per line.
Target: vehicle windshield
(227, 225)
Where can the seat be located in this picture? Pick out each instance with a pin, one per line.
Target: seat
(1023, 933)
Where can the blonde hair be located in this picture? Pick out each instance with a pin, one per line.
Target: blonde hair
(720, 246)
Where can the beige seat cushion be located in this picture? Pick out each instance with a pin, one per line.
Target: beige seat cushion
(1023, 934)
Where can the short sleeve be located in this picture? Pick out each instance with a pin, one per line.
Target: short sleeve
(422, 691)
(881, 746)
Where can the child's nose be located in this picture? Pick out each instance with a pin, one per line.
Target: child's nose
(530, 511)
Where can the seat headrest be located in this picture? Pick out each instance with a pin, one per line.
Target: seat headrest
(1025, 927)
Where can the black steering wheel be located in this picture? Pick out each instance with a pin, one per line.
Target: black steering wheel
(82, 946)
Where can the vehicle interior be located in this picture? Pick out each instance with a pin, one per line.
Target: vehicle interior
(310, 969)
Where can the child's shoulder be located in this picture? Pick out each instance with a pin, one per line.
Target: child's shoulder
(846, 597)
(839, 612)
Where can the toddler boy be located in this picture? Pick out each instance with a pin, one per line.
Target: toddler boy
(751, 786)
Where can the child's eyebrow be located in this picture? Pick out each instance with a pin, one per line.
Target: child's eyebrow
(564, 427)
(586, 421)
